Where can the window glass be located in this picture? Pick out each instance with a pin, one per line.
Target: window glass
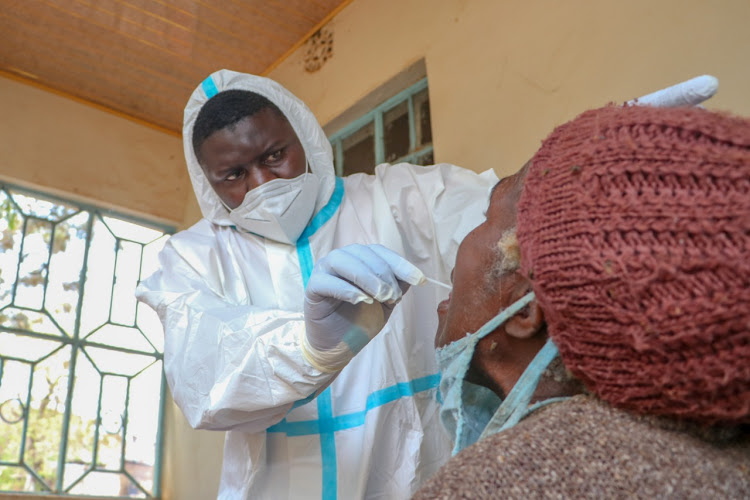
(397, 130)
(81, 382)
(426, 159)
(422, 112)
(359, 150)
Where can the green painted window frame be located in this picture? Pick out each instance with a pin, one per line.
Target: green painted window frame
(375, 116)
(78, 343)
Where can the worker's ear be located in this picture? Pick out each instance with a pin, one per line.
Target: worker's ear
(530, 320)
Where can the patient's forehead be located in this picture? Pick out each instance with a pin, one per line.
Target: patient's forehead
(506, 194)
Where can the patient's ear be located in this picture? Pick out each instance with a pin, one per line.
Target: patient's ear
(526, 323)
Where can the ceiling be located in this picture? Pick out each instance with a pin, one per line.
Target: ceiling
(143, 58)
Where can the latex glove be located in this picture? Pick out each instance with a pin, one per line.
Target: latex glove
(349, 297)
(688, 93)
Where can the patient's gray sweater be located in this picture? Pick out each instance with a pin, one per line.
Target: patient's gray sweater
(582, 448)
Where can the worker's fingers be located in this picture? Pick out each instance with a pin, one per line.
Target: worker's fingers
(392, 275)
(402, 268)
(375, 275)
(362, 273)
(688, 93)
(362, 269)
(325, 292)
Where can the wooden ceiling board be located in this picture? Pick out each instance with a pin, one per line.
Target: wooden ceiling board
(82, 41)
(234, 42)
(110, 76)
(292, 9)
(143, 58)
(96, 25)
(238, 22)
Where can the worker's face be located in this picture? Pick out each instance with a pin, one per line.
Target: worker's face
(470, 304)
(255, 150)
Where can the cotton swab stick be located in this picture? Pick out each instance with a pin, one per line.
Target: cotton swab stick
(438, 283)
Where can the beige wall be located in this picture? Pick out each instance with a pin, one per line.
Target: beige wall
(56, 144)
(502, 74)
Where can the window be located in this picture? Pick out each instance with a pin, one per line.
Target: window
(398, 130)
(81, 381)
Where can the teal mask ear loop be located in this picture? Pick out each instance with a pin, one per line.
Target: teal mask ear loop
(504, 315)
(516, 405)
(454, 360)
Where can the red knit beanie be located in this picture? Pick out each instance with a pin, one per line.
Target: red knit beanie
(634, 226)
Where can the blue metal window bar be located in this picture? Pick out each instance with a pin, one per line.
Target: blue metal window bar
(81, 379)
(420, 150)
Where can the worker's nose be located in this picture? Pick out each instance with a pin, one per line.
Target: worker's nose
(258, 176)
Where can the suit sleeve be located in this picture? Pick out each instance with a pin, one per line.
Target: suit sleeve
(229, 366)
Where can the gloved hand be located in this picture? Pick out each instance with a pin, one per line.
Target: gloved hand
(349, 297)
(688, 93)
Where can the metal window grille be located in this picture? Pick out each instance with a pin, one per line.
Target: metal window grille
(398, 130)
(81, 380)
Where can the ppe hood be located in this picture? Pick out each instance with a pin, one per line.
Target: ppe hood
(317, 148)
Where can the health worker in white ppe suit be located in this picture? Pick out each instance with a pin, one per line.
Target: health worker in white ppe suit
(291, 272)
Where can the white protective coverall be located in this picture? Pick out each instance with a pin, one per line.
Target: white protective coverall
(231, 304)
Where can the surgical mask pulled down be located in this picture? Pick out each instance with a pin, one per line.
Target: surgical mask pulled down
(470, 412)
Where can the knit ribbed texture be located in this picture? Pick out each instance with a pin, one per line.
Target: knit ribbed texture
(634, 226)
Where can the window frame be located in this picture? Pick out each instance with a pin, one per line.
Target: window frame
(375, 116)
(77, 343)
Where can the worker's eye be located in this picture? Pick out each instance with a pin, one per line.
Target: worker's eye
(234, 175)
(274, 157)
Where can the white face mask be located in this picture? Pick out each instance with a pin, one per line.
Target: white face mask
(279, 209)
(470, 412)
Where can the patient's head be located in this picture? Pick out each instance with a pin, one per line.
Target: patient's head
(633, 226)
(486, 279)
(481, 263)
